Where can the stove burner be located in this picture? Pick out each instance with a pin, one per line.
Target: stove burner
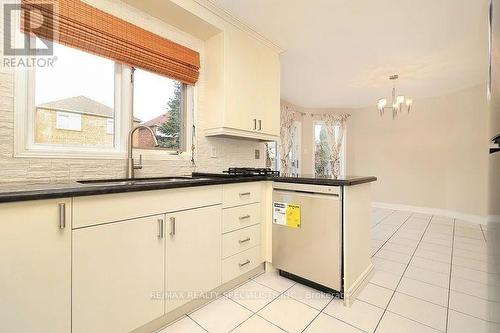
(251, 172)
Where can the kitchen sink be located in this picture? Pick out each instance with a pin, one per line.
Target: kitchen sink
(137, 181)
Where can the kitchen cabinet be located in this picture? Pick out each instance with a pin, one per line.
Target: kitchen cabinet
(118, 275)
(243, 87)
(193, 254)
(35, 266)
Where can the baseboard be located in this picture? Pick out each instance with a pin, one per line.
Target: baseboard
(494, 219)
(437, 211)
(358, 285)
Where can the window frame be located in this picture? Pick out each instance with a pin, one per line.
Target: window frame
(24, 120)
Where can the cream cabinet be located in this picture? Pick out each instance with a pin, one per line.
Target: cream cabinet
(193, 254)
(118, 275)
(243, 87)
(35, 266)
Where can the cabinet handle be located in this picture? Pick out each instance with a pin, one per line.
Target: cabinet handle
(244, 240)
(62, 216)
(246, 262)
(260, 125)
(244, 194)
(172, 226)
(244, 217)
(160, 228)
(255, 124)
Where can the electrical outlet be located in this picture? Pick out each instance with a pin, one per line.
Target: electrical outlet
(257, 154)
(213, 153)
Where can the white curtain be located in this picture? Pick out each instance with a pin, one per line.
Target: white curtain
(335, 126)
(286, 134)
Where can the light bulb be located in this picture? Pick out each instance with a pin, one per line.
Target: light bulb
(381, 104)
(400, 99)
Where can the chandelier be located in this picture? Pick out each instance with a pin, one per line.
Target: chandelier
(397, 103)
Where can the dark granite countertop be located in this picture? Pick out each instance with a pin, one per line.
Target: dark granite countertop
(20, 192)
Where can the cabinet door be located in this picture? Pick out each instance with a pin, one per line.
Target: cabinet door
(35, 267)
(118, 272)
(193, 254)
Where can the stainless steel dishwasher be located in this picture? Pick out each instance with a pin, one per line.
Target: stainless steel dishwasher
(307, 234)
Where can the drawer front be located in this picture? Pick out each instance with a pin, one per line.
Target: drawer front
(240, 240)
(99, 209)
(240, 217)
(240, 194)
(240, 263)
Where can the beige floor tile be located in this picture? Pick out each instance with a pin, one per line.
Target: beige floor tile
(408, 234)
(405, 249)
(462, 323)
(390, 266)
(385, 279)
(470, 247)
(474, 306)
(393, 323)
(375, 295)
(394, 256)
(473, 264)
(476, 289)
(435, 248)
(309, 296)
(425, 275)
(404, 241)
(257, 324)
(477, 276)
(221, 315)
(431, 265)
(289, 314)
(421, 311)
(421, 253)
(274, 281)
(424, 291)
(325, 323)
(184, 325)
(252, 295)
(360, 314)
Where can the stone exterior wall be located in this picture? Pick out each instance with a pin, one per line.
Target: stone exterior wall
(93, 132)
(44, 170)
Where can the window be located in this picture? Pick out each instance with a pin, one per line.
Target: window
(74, 101)
(68, 121)
(159, 103)
(322, 153)
(110, 126)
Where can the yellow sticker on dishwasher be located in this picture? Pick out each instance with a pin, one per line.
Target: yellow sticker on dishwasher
(293, 216)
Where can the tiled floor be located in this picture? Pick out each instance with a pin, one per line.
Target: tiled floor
(431, 275)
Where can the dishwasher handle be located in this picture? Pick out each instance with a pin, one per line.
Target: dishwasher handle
(332, 196)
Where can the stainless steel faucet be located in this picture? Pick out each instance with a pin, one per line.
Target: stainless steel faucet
(131, 166)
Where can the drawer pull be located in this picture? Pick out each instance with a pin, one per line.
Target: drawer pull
(244, 217)
(244, 193)
(246, 262)
(244, 240)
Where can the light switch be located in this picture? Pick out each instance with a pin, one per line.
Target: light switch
(257, 154)
(213, 153)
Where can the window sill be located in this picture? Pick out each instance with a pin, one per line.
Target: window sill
(64, 154)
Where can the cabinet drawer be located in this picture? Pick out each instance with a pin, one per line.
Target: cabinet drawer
(240, 240)
(240, 263)
(240, 194)
(240, 217)
(99, 209)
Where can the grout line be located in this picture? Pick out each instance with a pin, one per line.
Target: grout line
(449, 281)
(413, 320)
(197, 323)
(397, 229)
(373, 226)
(407, 265)
(320, 312)
(350, 324)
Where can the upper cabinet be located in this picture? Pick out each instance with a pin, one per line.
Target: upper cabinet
(242, 87)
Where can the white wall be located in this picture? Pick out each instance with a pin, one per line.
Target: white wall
(435, 157)
(39, 170)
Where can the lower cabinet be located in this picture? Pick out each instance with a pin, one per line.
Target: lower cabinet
(118, 275)
(35, 266)
(193, 254)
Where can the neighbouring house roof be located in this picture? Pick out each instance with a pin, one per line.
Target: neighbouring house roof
(82, 105)
(157, 121)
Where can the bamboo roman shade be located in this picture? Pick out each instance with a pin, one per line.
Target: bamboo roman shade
(76, 24)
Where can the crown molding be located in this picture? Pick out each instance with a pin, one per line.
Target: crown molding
(237, 22)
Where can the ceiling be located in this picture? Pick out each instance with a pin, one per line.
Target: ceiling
(340, 53)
